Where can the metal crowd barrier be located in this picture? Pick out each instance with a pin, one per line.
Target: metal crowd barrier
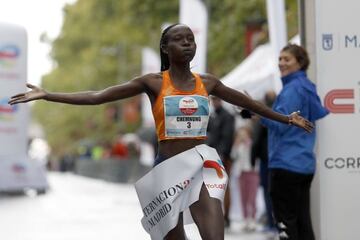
(112, 170)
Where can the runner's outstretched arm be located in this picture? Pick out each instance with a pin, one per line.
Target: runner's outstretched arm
(239, 99)
(129, 89)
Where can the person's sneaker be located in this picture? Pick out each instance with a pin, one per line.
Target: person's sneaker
(252, 225)
(249, 226)
(268, 229)
(270, 232)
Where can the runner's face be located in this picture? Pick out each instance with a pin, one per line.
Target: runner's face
(288, 63)
(181, 43)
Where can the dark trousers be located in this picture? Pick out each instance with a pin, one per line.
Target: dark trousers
(290, 196)
(264, 182)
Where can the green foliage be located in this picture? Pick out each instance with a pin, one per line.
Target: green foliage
(292, 17)
(227, 32)
(100, 44)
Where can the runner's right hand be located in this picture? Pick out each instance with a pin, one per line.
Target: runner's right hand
(34, 94)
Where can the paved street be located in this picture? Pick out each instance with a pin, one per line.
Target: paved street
(78, 208)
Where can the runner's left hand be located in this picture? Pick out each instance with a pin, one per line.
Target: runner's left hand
(297, 120)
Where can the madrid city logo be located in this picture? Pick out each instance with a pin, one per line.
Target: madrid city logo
(217, 165)
(8, 55)
(327, 42)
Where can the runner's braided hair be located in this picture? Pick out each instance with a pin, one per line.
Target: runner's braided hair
(164, 58)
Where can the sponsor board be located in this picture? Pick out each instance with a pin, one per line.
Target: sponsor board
(337, 50)
(17, 171)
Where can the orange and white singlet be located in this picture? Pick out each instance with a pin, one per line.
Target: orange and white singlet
(181, 114)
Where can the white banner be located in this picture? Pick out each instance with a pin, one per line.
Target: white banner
(277, 24)
(173, 185)
(16, 170)
(278, 36)
(337, 73)
(193, 13)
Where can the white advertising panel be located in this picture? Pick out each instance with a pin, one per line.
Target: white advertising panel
(13, 119)
(337, 40)
(193, 13)
(16, 170)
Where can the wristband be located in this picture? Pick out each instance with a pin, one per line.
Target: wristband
(290, 120)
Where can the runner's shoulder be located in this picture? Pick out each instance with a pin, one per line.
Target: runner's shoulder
(151, 77)
(209, 80)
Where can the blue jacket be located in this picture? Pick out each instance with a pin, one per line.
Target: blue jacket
(292, 148)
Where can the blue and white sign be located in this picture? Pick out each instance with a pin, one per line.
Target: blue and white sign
(336, 199)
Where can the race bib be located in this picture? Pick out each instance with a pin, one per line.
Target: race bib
(186, 116)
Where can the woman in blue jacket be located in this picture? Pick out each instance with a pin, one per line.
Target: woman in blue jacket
(291, 151)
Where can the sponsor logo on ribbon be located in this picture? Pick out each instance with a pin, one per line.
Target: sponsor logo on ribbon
(217, 165)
